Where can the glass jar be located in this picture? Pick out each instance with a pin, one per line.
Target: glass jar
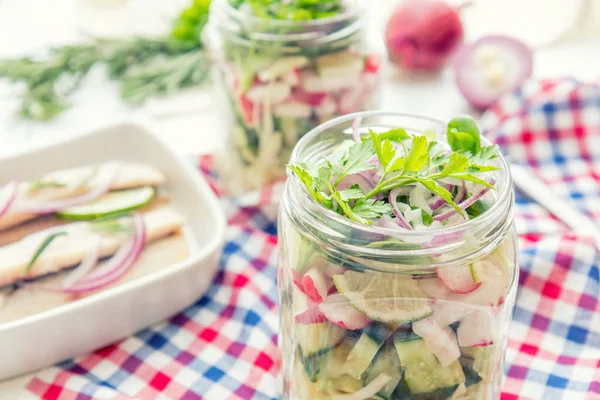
(364, 309)
(279, 79)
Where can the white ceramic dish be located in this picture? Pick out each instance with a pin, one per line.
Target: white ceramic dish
(103, 318)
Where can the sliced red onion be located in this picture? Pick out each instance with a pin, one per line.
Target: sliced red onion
(355, 127)
(119, 264)
(461, 193)
(465, 204)
(88, 262)
(400, 220)
(355, 179)
(436, 202)
(10, 194)
(102, 185)
(418, 198)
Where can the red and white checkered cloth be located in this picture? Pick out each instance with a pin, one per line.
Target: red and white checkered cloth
(224, 347)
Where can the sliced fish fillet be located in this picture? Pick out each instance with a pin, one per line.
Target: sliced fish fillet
(67, 251)
(77, 181)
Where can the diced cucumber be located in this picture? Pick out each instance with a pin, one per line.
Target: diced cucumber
(328, 365)
(344, 384)
(386, 361)
(318, 338)
(423, 372)
(471, 376)
(110, 203)
(484, 360)
(364, 351)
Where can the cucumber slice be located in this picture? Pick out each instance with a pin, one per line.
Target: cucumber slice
(318, 338)
(423, 373)
(326, 366)
(365, 349)
(110, 203)
(386, 361)
(484, 360)
(394, 298)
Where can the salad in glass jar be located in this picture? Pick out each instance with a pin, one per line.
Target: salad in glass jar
(284, 68)
(398, 266)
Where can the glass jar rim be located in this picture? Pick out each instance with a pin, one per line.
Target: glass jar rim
(486, 217)
(354, 11)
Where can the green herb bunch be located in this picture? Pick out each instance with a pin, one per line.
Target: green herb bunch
(145, 67)
(292, 9)
(403, 159)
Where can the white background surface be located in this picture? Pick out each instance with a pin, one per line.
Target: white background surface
(30, 25)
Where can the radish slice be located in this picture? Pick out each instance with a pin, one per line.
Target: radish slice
(487, 294)
(326, 108)
(100, 186)
(441, 341)
(278, 92)
(312, 99)
(366, 392)
(490, 67)
(434, 288)
(9, 194)
(331, 269)
(446, 312)
(315, 284)
(293, 109)
(458, 278)
(337, 310)
(476, 329)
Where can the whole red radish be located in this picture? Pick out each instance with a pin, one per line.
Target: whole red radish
(423, 34)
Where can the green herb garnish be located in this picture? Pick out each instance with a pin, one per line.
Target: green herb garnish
(110, 223)
(39, 184)
(292, 10)
(41, 249)
(145, 67)
(417, 159)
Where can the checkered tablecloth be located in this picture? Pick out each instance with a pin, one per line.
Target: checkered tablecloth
(224, 347)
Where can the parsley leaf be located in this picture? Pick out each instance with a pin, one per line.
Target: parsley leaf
(456, 163)
(347, 210)
(418, 155)
(354, 161)
(472, 178)
(371, 208)
(395, 135)
(302, 172)
(486, 154)
(351, 194)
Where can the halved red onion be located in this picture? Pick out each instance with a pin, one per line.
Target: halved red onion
(101, 185)
(118, 265)
(490, 67)
(355, 126)
(9, 196)
(400, 220)
(465, 204)
(86, 265)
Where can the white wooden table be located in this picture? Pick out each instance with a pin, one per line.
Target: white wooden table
(29, 25)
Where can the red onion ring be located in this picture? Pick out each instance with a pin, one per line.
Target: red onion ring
(86, 265)
(436, 202)
(12, 188)
(120, 263)
(461, 193)
(355, 126)
(106, 178)
(355, 179)
(465, 204)
(400, 220)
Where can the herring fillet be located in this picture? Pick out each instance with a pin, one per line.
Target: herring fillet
(69, 250)
(130, 175)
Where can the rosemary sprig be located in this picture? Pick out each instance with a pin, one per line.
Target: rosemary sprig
(41, 249)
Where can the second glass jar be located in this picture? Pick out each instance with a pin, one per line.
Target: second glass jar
(279, 79)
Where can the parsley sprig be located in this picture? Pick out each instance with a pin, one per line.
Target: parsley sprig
(401, 159)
